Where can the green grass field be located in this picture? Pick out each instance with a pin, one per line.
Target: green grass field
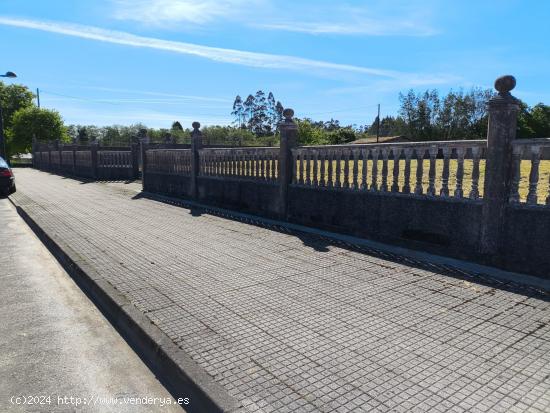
(543, 184)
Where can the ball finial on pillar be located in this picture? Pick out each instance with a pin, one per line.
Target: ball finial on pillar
(288, 114)
(196, 125)
(505, 84)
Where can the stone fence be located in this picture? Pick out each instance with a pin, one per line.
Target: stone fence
(88, 161)
(469, 199)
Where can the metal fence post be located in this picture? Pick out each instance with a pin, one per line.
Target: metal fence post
(196, 145)
(503, 112)
(288, 130)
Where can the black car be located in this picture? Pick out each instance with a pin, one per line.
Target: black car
(7, 180)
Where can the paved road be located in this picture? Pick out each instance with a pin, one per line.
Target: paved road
(288, 323)
(54, 341)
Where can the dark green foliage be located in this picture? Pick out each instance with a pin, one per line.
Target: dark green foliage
(13, 98)
(534, 122)
(458, 115)
(44, 124)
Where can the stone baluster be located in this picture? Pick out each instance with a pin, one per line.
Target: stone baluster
(534, 175)
(374, 176)
(407, 181)
(300, 167)
(346, 154)
(476, 153)
(308, 168)
(395, 183)
(517, 153)
(460, 152)
(315, 167)
(337, 181)
(355, 171)
(418, 187)
(364, 167)
(432, 152)
(330, 182)
(445, 175)
(322, 169)
(385, 155)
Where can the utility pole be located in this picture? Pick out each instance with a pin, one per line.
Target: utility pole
(378, 125)
(38, 97)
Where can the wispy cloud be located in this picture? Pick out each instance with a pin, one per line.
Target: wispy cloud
(373, 19)
(162, 12)
(150, 93)
(232, 56)
(363, 26)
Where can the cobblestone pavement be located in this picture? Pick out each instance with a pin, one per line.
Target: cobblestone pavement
(289, 322)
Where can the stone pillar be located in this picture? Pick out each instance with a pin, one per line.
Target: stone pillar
(503, 112)
(288, 130)
(196, 145)
(94, 146)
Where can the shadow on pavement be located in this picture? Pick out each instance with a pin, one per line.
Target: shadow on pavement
(321, 243)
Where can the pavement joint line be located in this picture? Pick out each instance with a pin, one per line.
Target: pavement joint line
(159, 352)
(425, 260)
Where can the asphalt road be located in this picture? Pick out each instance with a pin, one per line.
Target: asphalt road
(54, 342)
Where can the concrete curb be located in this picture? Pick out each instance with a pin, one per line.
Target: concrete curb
(478, 270)
(169, 363)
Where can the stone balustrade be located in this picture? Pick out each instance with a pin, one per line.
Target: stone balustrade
(114, 159)
(436, 169)
(530, 151)
(242, 163)
(83, 159)
(169, 161)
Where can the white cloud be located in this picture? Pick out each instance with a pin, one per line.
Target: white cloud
(161, 12)
(239, 57)
(377, 18)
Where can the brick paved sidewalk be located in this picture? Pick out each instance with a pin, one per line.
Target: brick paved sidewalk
(288, 323)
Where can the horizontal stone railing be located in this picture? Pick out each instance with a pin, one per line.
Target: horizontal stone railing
(421, 168)
(531, 152)
(169, 161)
(83, 158)
(243, 163)
(114, 159)
(87, 161)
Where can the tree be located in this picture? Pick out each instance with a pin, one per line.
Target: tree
(272, 116)
(13, 98)
(44, 124)
(248, 108)
(258, 121)
(279, 112)
(534, 122)
(238, 111)
(176, 126)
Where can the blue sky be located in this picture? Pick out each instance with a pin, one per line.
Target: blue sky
(155, 61)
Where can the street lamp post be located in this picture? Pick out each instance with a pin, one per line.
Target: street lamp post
(2, 140)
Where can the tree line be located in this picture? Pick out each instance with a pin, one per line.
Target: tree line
(257, 114)
(421, 117)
